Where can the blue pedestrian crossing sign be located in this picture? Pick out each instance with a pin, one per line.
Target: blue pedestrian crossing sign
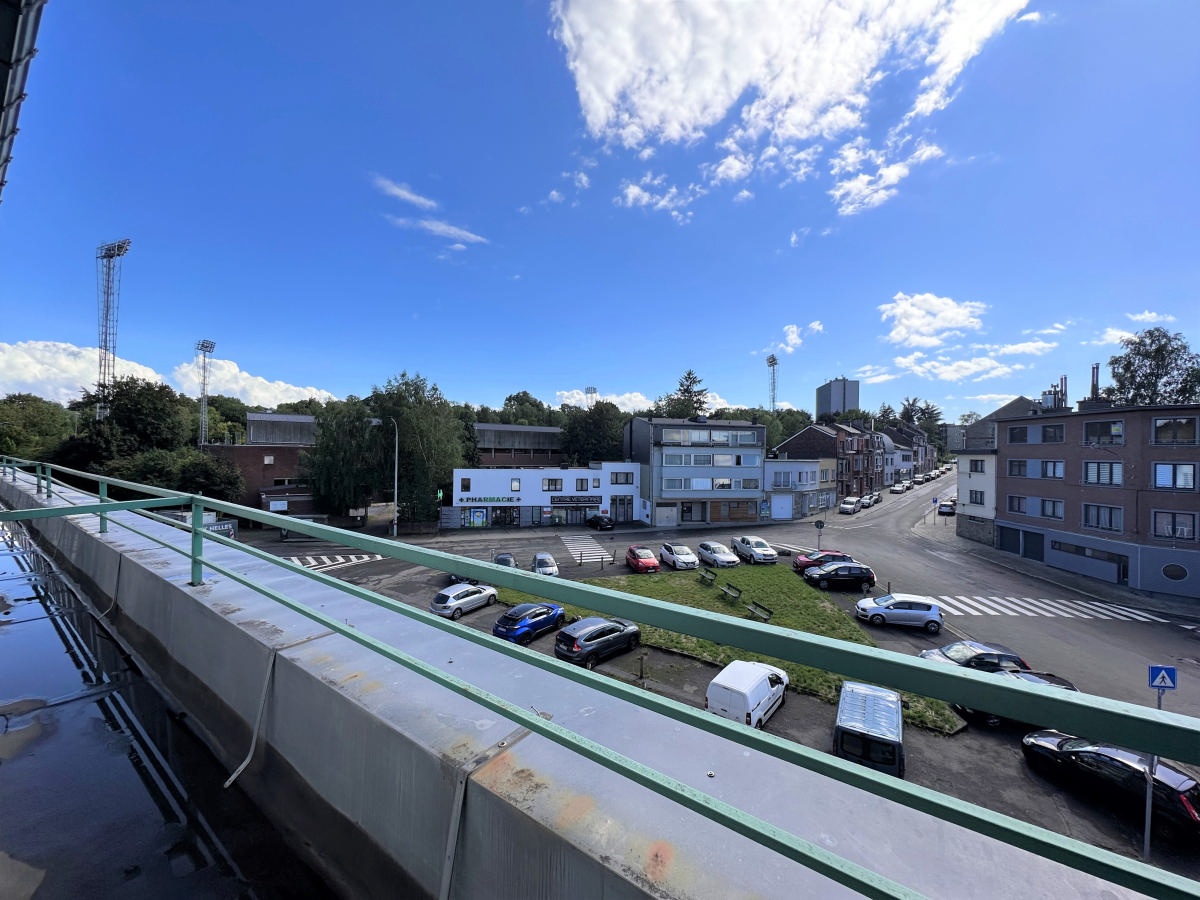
(1163, 678)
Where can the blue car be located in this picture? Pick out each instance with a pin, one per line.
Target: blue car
(525, 621)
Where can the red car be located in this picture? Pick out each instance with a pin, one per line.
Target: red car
(641, 559)
(802, 561)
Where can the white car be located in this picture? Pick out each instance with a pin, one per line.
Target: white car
(716, 554)
(457, 599)
(754, 549)
(850, 505)
(867, 501)
(678, 556)
(898, 488)
(544, 564)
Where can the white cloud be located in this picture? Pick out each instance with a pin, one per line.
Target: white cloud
(1034, 348)
(582, 181)
(648, 193)
(1150, 318)
(977, 369)
(773, 79)
(815, 327)
(630, 402)
(225, 377)
(554, 197)
(742, 196)
(1034, 18)
(926, 320)
(1056, 328)
(994, 401)
(457, 247)
(438, 228)
(402, 192)
(1109, 337)
(873, 374)
(62, 372)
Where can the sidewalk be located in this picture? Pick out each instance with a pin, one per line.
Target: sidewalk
(941, 529)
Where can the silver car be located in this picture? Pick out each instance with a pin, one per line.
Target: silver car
(457, 599)
(901, 609)
(679, 556)
(714, 553)
(544, 564)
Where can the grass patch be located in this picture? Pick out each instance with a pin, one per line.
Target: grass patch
(796, 605)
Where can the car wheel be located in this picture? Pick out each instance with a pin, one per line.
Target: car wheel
(933, 627)
(589, 661)
(866, 586)
(525, 639)
(822, 584)
(456, 615)
(634, 641)
(876, 620)
(560, 621)
(758, 724)
(491, 599)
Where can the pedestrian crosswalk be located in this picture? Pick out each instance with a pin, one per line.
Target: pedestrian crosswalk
(336, 561)
(585, 548)
(1027, 606)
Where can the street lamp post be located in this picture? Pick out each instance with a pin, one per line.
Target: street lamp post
(395, 479)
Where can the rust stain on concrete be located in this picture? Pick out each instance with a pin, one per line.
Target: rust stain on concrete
(659, 857)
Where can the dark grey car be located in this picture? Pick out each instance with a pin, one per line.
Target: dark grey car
(592, 639)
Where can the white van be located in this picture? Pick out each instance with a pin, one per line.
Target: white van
(746, 692)
(870, 728)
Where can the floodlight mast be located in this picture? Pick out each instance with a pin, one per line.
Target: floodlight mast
(108, 286)
(772, 362)
(204, 348)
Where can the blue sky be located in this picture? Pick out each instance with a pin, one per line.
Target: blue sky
(959, 202)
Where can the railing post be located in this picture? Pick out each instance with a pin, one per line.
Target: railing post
(38, 478)
(103, 499)
(197, 542)
(49, 482)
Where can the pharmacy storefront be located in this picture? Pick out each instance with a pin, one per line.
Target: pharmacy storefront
(518, 498)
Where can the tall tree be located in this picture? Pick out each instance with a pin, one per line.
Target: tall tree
(1156, 368)
(969, 418)
(141, 415)
(343, 465)
(886, 416)
(689, 399)
(31, 427)
(910, 410)
(593, 435)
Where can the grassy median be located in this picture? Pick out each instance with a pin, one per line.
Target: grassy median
(795, 605)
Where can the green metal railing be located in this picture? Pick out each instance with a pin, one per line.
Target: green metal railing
(1166, 734)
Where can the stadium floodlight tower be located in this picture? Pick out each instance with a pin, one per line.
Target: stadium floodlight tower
(108, 286)
(204, 348)
(772, 362)
(590, 394)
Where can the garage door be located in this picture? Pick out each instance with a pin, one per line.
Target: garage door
(781, 506)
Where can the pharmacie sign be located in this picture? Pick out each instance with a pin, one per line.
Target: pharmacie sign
(489, 499)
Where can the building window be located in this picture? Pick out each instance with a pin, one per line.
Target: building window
(268, 460)
(977, 465)
(596, 481)
(781, 480)
(1052, 509)
(975, 498)
(749, 459)
(1177, 526)
(621, 478)
(1175, 476)
(1018, 434)
(1105, 518)
(723, 459)
(673, 459)
(514, 485)
(1016, 504)
(1104, 432)
(551, 484)
(747, 437)
(581, 484)
(464, 485)
(1102, 473)
(702, 459)
(672, 484)
(698, 484)
(1052, 468)
(673, 435)
(1175, 430)
(1017, 467)
(1052, 434)
(749, 484)
(715, 437)
(722, 484)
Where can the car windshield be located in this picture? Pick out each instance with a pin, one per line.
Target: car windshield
(758, 545)
(816, 554)
(683, 551)
(643, 553)
(882, 601)
(1077, 744)
(959, 652)
(718, 548)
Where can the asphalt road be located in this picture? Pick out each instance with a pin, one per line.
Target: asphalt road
(917, 554)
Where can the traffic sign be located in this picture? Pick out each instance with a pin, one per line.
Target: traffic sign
(818, 524)
(1163, 678)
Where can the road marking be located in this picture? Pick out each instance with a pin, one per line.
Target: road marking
(585, 548)
(1027, 606)
(327, 563)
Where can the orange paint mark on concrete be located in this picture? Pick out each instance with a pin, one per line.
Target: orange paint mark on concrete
(575, 810)
(658, 860)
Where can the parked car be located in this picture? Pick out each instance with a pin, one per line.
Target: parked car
(946, 508)
(592, 639)
(599, 522)
(461, 579)
(977, 655)
(526, 621)
(850, 505)
(457, 599)
(866, 501)
(640, 559)
(812, 558)
(753, 549)
(747, 692)
(505, 559)
(876, 498)
(678, 556)
(1045, 678)
(716, 554)
(898, 488)
(901, 609)
(1117, 777)
(919, 478)
(908, 484)
(841, 575)
(544, 564)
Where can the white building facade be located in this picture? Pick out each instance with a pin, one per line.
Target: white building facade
(521, 497)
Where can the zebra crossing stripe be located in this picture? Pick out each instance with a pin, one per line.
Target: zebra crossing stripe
(1027, 606)
(972, 609)
(1013, 607)
(1143, 616)
(1048, 608)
